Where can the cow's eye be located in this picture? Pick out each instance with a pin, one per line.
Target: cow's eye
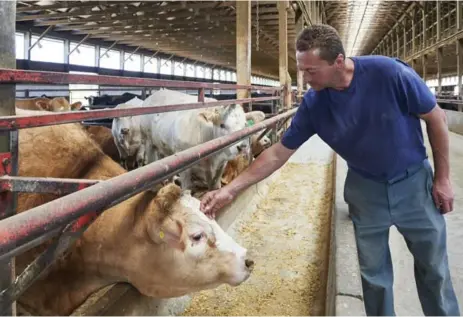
(197, 237)
(222, 126)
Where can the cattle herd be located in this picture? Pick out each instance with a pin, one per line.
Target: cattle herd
(158, 240)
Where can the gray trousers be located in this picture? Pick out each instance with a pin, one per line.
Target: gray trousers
(407, 203)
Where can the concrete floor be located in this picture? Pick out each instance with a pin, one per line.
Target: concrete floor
(406, 297)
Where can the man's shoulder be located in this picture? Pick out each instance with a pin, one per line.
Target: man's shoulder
(380, 65)
(376, 60)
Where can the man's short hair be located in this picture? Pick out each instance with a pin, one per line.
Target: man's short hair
(323, 37)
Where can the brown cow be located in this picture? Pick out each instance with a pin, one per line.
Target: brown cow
(57, 104)
(160, 243)
(104, 138)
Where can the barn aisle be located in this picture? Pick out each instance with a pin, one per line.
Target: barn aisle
(288, 238)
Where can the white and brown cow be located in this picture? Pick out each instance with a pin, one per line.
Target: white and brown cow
(161, 243)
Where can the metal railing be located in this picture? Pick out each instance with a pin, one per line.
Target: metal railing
(85, 199)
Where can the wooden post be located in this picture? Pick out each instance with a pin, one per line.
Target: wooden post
(438, 21)
(405, 38)
(425, 25)
(424, 61)
(397, 39)
(459, 43)
(300, 75)
(414, 32)
(459, 24)
(283, 50)
(243, 46)
(8, 140)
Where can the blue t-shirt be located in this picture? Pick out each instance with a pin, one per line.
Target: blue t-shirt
(374, 123)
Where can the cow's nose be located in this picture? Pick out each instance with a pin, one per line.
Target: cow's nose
(249, 263)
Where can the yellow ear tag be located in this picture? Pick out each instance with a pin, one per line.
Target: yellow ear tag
(161, 234)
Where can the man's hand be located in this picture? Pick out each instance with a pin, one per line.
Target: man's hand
(215, 200)
(443, 195)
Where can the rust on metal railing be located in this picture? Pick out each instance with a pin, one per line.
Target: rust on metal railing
(28, 225)
(39, 120)
(76, 211)
(15, 76)
(47, 185)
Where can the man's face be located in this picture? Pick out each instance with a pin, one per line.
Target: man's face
(318, 73)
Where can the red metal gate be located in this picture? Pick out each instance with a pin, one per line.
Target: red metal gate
(84, 200)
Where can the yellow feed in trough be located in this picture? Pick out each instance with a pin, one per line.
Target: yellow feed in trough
(287, 236)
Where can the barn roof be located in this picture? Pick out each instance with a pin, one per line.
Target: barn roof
(206, 31)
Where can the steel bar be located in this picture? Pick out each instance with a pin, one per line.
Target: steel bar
(40, 38)
(57, 78)
(21, 122)
(21, 228)
(48, 185)
(107, 50)
(8, 140)
(263, 133)
(78, 44)
(282, 123)
(123, 89)
(44, 261)
(39, 266)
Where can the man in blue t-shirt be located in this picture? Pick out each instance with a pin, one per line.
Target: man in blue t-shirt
(368, 110)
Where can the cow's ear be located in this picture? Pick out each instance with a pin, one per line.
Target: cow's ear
(76, 105)
(211, 116)
(162, 228)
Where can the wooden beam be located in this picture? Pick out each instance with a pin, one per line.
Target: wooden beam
(283, 50)
(299, 74)
(439, 68)
(424, 63)
(459, 49)
(243, 46)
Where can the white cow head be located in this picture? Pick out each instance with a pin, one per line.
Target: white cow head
(227, 120)
(188, 252)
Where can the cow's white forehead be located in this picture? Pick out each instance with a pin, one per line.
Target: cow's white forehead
(190, 202)
(224, 242)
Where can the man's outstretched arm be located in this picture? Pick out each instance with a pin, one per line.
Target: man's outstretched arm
(263, 166)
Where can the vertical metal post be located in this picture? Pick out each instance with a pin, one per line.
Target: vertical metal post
(201, 95)
(8, 140)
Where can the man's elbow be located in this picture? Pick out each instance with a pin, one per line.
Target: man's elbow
(436, 117)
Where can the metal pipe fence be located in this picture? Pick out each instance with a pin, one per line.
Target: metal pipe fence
(84, 200)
